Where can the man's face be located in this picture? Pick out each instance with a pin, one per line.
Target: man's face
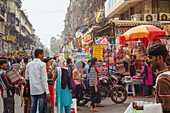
(89, 63)
(153, 61)
(41, 56)
(4, 66)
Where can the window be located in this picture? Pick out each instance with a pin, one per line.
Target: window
(160, 6)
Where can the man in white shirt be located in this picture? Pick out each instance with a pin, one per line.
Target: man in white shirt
(36, 73)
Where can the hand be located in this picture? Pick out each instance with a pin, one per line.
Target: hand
(83, 79)
(84, 87)
(19, 84)
(96, 90)
(48, 96)
(135, 106)
(49, 80)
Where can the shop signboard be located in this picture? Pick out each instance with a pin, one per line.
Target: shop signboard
(84, 56)
(98, 51)
(11, 38)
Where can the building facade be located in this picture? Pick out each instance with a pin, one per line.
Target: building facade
(16, 31)
(138, 10)
(79, 13)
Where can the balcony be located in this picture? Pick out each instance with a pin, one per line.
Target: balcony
(2, 13)
(18, 2)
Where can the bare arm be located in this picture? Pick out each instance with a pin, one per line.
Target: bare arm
(55, 76)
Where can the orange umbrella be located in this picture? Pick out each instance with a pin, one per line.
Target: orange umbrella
(143, 31)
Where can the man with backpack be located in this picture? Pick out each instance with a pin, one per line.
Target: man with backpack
(7, 88)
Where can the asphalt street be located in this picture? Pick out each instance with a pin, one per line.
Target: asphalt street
(110, 107)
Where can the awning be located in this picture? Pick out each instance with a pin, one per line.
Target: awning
(128, 23)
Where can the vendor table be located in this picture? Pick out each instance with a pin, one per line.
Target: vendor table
(149, 107)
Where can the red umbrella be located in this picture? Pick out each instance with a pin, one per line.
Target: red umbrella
(143, 31)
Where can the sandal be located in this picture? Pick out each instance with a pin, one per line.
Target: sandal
(93, 109)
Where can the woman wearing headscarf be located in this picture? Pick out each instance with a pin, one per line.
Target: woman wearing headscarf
(94, 84)
(78, 78)
(63, 96)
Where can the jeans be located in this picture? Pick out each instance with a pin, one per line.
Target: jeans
(34, 99)
(148, 90)
(78, 93)
(9, 104)
(96, 97)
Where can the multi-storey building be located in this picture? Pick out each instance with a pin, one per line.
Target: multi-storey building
(80, 13)
(3, 10)
(16, 31)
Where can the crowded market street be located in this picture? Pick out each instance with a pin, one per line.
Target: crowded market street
(84, 56)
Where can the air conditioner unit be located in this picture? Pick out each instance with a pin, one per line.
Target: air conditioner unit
(117, 18)
(136, 17)
(164, 16)
(150, 17)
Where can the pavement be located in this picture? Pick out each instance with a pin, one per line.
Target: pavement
(110, 107)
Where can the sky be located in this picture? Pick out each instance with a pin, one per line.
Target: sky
(46, 17)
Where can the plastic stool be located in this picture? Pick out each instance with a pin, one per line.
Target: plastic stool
(74, 106)
(132, 87)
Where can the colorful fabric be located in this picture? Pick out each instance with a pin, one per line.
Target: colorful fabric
(61, 61)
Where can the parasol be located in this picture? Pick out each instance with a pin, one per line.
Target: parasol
(143, 31)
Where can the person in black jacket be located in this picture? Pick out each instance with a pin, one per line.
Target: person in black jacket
(132, 68)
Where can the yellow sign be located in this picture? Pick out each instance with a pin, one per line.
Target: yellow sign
(98, 51)
(100, 15)
(11, 38)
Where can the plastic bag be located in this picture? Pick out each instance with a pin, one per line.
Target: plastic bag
(48, 108)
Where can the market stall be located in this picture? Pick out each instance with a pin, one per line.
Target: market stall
(139, 39)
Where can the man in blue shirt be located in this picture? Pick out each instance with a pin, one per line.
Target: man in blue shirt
(86, 68)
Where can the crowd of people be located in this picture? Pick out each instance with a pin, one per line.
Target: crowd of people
(47, 80)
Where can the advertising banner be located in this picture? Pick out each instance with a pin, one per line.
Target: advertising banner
(98, 51)
(11, 38)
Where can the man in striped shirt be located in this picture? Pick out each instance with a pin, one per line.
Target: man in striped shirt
(7, 88)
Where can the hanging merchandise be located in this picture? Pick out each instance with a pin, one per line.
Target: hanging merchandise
(87, 48)
(79, 41)
(105, 43)
(84, 56)
(111, 60)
